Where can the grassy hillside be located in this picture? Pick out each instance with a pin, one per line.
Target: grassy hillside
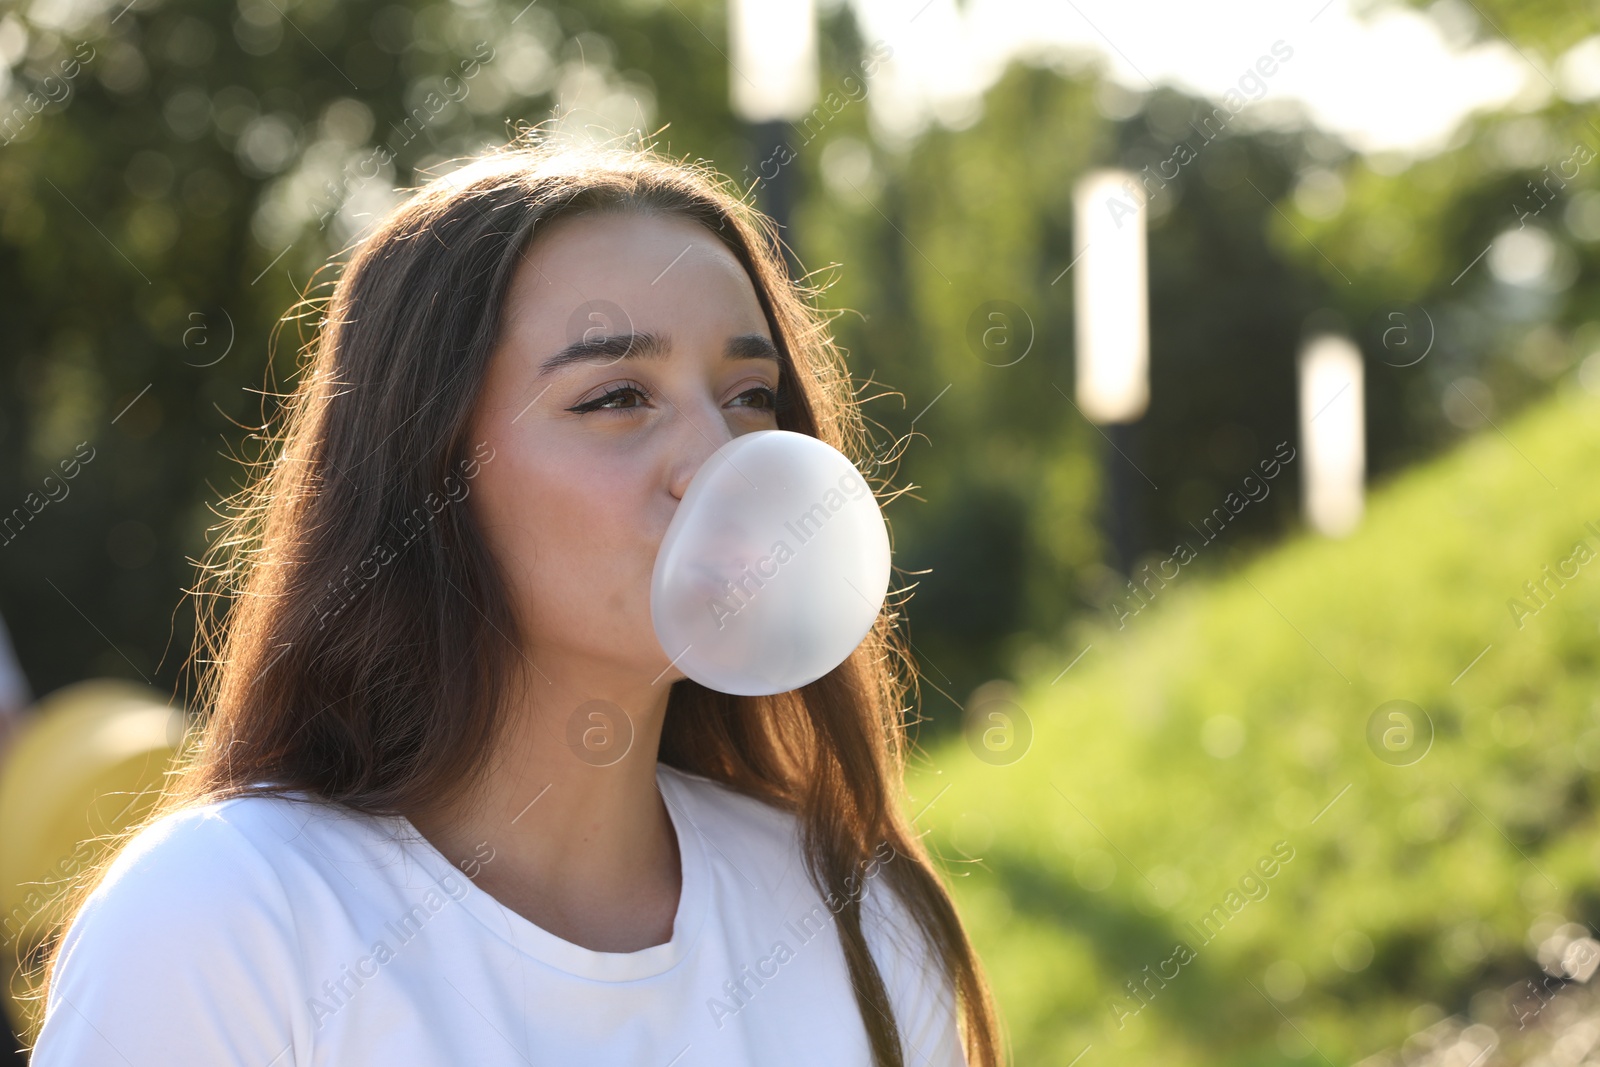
(1232, 718)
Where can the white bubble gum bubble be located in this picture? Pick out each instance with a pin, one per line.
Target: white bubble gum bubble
(773, 568)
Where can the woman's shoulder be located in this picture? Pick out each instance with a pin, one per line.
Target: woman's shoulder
(245, 867)
(191, 908)
(219, 845)
(197, 874)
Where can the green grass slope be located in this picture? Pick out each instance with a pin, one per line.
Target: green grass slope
(1231, 719)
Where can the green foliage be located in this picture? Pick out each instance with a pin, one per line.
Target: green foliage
(1536, 28)
(161, 226)
(1263, 237)
(1003, 514)
(1235, 714)
(1414, 243)
(165, 222)
(210, 159)
(1006, 522)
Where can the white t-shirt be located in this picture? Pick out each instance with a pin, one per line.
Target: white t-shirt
(265, 932)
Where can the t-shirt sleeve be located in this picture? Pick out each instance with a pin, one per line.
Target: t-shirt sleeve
(923, 998)
(184, 955)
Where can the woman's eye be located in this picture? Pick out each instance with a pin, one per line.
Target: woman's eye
(769, 395)
(774, 400)
(604, 402)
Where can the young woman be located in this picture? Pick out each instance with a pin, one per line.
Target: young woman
(452, 803)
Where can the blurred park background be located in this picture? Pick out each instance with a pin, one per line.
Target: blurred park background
(1396, 713)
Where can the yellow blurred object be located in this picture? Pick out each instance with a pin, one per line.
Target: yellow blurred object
(89, 760)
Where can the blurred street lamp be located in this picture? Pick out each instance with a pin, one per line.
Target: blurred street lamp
(1333, 434)
(1110, 291)
(774, 58)
(1111, 311)
(773, 83)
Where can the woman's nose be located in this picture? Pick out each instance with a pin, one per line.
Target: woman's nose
(698, 431)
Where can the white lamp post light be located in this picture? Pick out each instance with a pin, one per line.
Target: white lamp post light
(1111, 302)
(774, 75)
(1333, 434)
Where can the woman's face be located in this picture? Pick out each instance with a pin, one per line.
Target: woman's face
(661, 354)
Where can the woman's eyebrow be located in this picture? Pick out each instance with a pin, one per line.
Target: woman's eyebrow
(751, 346)
(618, 346)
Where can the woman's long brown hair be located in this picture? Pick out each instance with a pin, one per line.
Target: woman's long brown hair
(385, 694)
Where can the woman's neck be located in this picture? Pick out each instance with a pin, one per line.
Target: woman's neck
(569, 829)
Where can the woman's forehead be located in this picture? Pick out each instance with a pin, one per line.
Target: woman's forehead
(620, 237)
(641, 271)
